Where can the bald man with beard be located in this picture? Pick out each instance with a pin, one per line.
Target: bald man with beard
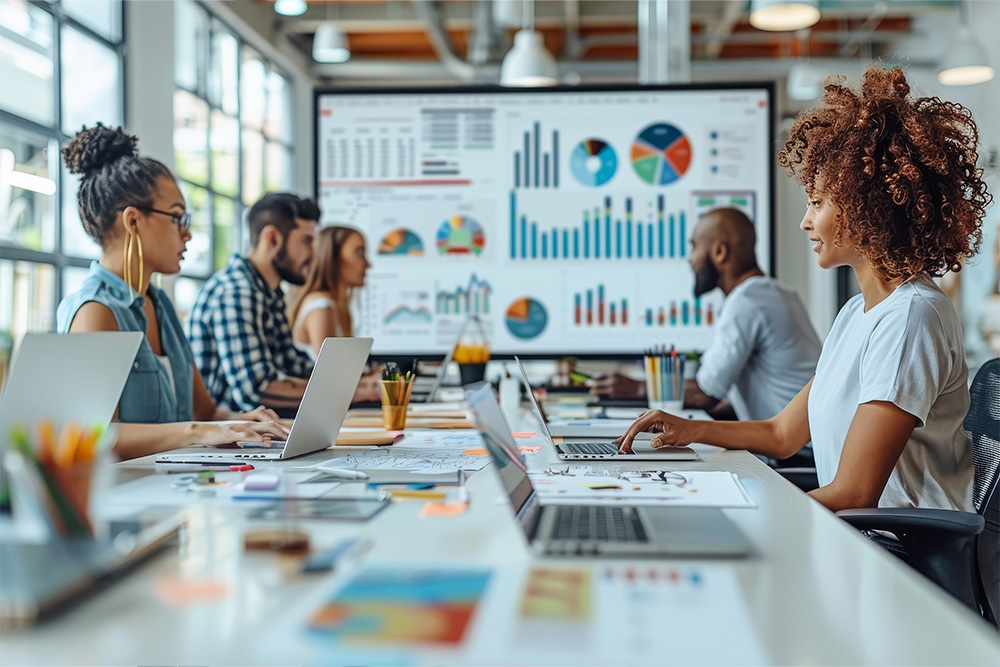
(764, 349)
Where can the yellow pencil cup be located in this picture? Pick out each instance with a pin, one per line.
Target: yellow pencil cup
(394, 417)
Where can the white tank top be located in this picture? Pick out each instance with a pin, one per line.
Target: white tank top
(317, 303)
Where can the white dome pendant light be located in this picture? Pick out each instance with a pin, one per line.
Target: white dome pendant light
(783, 15)
(528, 64)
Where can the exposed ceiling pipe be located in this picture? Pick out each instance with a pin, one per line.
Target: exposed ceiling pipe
(720, 30)
(432, 13)
(486, 44)
(572, 48)
(378, 71)
(865, 32)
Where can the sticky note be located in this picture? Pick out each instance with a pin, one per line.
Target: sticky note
(476, 451)
(525, 435)
(183, 591)
(443, 508)
(262, 483)
(531, 449)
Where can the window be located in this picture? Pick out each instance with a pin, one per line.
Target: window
(232, 138)
(48, 52)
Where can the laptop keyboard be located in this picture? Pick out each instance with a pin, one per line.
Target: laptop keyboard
(589, 448)
(596, 523)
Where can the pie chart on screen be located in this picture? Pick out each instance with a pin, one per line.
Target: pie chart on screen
(593, 162)
(526, 318)
(460, 235)
(661, 154)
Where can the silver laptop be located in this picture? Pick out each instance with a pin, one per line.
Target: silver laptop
(67, 378)
(321, 413)
(602, 447)
(598, 530)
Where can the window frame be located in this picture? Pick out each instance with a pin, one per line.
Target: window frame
(57, 258)
(216, 25)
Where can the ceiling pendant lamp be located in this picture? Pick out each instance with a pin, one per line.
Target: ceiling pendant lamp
(967, 62)
(783, 15)
(290, 7)
(528, 63)
(329, 44)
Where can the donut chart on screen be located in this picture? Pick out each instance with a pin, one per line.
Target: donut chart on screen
(593, 162)
(661, 154)
(401, 241)
(460, 235)
(526, 318)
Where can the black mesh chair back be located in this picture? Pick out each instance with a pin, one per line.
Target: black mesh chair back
(983, 426)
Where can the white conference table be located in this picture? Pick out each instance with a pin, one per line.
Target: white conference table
(813, 592)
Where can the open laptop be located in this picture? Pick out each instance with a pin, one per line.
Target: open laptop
(601, 447)
(321, 413)
(598, 530)
(67, 378)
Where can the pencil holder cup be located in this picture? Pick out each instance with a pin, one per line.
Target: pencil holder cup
(76, 483)
(395, 401)
(394, 417)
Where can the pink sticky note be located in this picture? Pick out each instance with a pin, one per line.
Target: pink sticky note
(525, 435)
(531, 449)
(183, 591)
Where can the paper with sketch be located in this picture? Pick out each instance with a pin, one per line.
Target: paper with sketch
(415, 461)
(569, 484)
(161, 490)
(460, 439)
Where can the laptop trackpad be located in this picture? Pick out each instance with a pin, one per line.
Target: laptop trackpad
(696, 530)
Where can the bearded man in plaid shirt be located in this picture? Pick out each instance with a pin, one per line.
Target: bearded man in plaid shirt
(239, 329)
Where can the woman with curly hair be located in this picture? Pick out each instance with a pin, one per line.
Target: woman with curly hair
(894, 193)
(131, 206)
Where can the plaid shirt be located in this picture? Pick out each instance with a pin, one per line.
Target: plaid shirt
(240, 336)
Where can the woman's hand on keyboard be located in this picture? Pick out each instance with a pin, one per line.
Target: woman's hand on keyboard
(213, 433)
(674, 431)
(259, 414)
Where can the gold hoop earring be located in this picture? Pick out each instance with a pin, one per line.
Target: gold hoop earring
(127, 260)
(138, 243)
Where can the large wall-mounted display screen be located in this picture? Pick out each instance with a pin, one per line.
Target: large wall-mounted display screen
(561, 217)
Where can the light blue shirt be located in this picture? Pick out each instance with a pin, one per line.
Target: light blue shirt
(149, 396)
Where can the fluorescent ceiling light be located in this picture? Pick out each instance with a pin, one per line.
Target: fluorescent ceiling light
(783, 15)
(26, 181)
(967, 63)
(528, 64)
(329, 44)
(290, 7)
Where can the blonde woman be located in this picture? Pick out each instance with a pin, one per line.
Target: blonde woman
(321, 308)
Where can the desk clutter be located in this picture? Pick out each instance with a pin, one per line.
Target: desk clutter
(376, 612)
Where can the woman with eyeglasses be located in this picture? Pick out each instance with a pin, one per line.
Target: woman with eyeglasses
(131, 205)
(321, 307)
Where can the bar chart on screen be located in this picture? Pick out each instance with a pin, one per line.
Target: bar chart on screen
(593, 308)
(681, 312)
(612, 229)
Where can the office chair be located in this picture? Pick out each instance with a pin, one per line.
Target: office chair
(959, 551)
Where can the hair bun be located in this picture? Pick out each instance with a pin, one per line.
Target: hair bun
(94, 147)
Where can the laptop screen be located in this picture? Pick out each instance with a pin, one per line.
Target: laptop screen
(500, 444)
(534, 402)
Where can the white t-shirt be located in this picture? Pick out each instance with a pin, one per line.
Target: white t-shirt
(906, 350)
(764, 349)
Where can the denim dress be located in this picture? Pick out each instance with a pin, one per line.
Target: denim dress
(148, 397)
